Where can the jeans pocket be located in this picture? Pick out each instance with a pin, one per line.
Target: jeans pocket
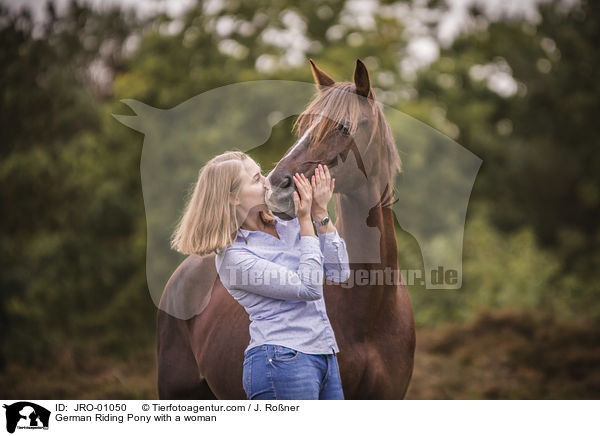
(247, 376)
(285, 354)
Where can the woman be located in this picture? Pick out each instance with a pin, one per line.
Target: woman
(274, 269)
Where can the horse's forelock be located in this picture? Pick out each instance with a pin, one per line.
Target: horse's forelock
(336, 105)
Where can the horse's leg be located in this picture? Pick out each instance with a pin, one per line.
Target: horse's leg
(204, 391)
(178, 374)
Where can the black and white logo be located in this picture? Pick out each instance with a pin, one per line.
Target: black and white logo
(26, 415)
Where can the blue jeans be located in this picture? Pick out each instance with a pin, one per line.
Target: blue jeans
(275, 372)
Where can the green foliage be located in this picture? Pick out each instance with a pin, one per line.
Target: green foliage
(498, 272)
(540, 172)
(70, 197)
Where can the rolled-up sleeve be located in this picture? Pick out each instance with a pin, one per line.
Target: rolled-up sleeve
(335, 256)
(243, 270)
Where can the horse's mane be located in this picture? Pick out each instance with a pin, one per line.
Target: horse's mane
(340, 105)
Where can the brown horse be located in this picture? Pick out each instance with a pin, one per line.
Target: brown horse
(343, 127)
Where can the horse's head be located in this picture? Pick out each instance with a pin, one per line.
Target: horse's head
(336, 129)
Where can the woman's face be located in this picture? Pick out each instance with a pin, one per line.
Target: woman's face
(252, 192)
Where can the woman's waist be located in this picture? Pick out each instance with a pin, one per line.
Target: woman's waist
(284, 324)
(275, 347)
(297, 314)
(299, 332)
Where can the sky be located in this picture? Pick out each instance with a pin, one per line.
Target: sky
(423, 47)
(451, 22)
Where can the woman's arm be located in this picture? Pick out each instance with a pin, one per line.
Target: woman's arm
(243, 270)
(333, 246)
(335, 257)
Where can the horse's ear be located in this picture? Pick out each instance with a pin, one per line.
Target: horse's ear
(321, 78)
(361, 79)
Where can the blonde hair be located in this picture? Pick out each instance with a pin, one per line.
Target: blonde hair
(209, 223)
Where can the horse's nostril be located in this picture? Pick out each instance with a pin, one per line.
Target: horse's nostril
(286, 181)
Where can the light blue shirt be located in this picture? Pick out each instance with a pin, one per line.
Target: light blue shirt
(279, 282)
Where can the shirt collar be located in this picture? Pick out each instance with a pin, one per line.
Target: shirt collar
(243, 232)
(246, 233)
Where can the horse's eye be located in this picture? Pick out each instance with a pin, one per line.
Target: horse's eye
(331, 161)
(344, 128)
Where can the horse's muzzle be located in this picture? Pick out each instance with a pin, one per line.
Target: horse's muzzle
(281, 203)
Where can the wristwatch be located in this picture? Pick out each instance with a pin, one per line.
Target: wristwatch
(323, 222)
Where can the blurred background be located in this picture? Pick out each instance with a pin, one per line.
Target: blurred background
(515, 82)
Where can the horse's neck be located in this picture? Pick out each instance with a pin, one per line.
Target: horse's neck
(368, 310)
(367, 228)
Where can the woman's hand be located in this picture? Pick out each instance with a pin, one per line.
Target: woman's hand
(302, 202)
(322, 187)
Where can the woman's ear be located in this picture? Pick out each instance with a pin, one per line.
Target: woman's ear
(234, 201)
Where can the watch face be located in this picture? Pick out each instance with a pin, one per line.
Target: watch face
(322, 222)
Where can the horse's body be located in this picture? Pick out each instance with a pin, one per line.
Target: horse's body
(202, 357)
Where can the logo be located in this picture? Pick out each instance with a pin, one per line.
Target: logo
(26, 415)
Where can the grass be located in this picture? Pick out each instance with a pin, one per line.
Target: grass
(508, 355)
(88, 377)
(500, 355)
